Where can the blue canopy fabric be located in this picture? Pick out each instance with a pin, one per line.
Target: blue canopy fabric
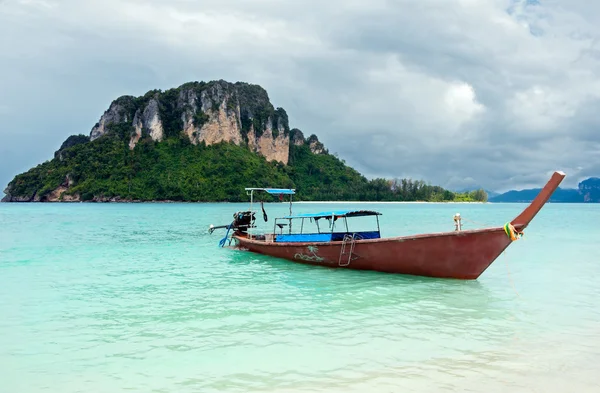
(337, 213)
(274, 191)
(280, 191)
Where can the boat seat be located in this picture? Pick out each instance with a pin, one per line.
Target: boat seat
(339, 236)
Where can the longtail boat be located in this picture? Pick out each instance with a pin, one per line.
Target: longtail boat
(458, 254)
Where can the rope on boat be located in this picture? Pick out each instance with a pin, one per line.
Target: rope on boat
(511, 232)
(476, 223)
(264, 212)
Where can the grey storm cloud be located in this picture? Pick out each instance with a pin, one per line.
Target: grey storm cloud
(494, 93)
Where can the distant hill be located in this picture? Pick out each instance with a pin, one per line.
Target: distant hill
(588, 191)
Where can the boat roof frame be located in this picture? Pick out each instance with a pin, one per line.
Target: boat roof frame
(337, 214)
(273, 191)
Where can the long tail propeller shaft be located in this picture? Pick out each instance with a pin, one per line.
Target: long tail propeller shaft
(212, 228)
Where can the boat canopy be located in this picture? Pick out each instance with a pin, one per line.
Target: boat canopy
(337, 213)
(275, 191)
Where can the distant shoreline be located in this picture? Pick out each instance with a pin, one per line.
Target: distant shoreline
(284, 202)
(273, 202)
(394, 202)
(295, 202)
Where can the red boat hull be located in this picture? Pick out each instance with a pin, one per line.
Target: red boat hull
(460, 255)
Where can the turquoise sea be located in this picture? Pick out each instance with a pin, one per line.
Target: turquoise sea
(139, 298)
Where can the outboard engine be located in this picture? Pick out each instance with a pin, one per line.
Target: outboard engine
(243, 220)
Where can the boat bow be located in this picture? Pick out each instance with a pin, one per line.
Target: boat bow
(522, 220)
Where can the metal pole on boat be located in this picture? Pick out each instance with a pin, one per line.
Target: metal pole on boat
(332, 222)
(251, 197)
(346, 221)
(378, 230)
(290, 223)
(302, 226)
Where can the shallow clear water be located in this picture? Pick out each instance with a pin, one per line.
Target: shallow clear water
(138, 297)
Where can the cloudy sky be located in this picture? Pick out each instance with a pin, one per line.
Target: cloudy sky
(497, 93)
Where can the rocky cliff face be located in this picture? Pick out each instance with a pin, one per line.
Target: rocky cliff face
(207, 113)
(147, 120)
(15, 198)
(211, 116)
(297, 137)
(115, 114)
(316, 147)
(56, 195)
(275, 148)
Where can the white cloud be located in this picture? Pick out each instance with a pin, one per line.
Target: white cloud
(462, 103)
(38, 3)
(540, 109)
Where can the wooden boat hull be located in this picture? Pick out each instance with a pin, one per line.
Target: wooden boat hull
(461, 255)
(458, 254)
(464, 255)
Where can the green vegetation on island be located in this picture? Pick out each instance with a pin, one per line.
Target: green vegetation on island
(179, 171)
